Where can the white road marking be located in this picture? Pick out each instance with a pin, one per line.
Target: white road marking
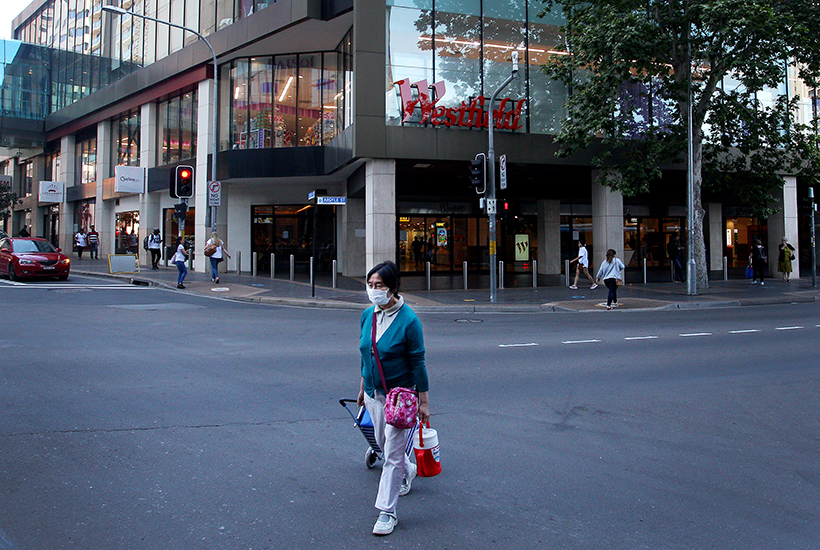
(516, 345)
(695, 334)
(641, 338)
(11, 283)
(743, 331)
(580, 342)
(788, 328)
(66, 286)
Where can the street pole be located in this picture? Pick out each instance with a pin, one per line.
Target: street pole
(813, 242)
(119, 11)
(491, 199)
(691, 268)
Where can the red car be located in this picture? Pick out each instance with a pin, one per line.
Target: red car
(27, 257)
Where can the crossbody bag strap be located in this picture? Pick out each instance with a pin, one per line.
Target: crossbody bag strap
(376, 352)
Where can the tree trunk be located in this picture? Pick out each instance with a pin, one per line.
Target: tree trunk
(698, 246)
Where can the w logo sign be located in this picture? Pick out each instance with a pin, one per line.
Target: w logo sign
(470, 116)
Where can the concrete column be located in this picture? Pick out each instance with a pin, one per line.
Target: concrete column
(607, 221)
(380, 211)
(549, 237)
(352, 253)
(68, 163)
(783, 224)
(204, 145)
(150, 212)
(717, 232)
(103, 210)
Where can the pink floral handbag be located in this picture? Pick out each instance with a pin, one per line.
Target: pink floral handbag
(401, 407)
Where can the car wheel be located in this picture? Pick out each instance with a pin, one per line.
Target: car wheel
(12, 274)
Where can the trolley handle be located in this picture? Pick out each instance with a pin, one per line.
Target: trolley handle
(343, 403)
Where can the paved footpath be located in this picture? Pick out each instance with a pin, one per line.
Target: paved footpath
(447, 292)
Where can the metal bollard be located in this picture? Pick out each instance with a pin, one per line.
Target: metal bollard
(191, 261)
(292, 267)
(725, 268)
(566, 270)
(253, 266)
(428, 275)
(644, 271)
(535, 274)
(464, 270)
(239, 262)
(273, 266)
(501, 275)
(311, 271)
(334, 274)
(672, 270)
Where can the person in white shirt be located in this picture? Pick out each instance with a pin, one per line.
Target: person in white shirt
(217, 256)
(179, 260)
(611, 271)
(583, 267)
(154, 242)
(80, 242)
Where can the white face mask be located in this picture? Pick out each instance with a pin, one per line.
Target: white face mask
(378, 296)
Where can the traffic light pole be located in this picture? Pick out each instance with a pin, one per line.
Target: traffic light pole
(813, 242)
(491, 199)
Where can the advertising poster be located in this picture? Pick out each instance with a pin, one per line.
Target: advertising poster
(522, 247)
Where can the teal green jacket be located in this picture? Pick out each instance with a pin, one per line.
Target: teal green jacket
(401, 350)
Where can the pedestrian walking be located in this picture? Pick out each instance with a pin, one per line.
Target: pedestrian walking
(391, 341)
(673, 251)
(583, 267)
(155, 247)
(418, 251)
(93, 239)
(24, 232)
(133, 243)
(785, 257)
(179, 259)
(217, 256)
(758, 261)
(612, 273)
(80, 242)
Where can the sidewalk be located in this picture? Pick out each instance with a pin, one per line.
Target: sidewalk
(447, 293)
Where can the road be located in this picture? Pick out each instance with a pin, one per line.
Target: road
(137, 418)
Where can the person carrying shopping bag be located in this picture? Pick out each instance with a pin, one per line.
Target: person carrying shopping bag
(612, 273)
(392, 352)
(215, 249)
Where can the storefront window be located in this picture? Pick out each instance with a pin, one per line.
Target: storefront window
(259, 103)
(87, 160)
(126, 232)
(83, 216)
(288, 230)
(177, 128)
(574, 229)
(126, 136)
(458, 50)
(547, 97)
(284, 117)
(310, 100)
(331, 86)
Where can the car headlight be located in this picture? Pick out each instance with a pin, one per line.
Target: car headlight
(26, 262)
(65, 261)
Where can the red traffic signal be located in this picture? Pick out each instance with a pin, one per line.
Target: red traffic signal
(182, 182)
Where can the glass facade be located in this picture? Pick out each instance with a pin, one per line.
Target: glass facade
(284, 101)
(177, 128)
(464, 47)
(87, 160)
(125, 132)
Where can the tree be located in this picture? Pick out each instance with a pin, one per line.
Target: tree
(629, 64)
(7, 200)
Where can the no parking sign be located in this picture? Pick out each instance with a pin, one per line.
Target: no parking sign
(214, 194)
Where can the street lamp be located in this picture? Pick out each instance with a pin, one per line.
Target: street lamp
(120, 12)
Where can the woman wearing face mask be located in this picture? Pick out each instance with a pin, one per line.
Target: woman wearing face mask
(400, 345)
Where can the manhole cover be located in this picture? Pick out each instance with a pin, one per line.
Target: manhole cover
(220, 289)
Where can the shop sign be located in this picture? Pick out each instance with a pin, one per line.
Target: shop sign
(522, 247)
(129, 179)
(468, 115)
(52, 191)
(5, 181)
(331, 200)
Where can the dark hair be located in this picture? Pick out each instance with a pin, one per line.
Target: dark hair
(391, 277)
(610, 252)
(179, 241)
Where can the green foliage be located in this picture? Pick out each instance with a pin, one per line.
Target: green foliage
(7, 200)
(628, 70)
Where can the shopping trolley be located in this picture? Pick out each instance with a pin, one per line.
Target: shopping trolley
(361, 420)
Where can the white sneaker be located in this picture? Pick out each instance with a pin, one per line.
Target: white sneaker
(762, 283)
(573, 287)
(594, 286)
(385, 524)
(408, 481)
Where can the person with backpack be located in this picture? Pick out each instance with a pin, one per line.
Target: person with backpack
(758, 261)
(153, 244)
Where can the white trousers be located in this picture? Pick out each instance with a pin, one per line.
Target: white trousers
(396, 463)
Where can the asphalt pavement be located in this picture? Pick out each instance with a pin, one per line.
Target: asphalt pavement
(447, 293)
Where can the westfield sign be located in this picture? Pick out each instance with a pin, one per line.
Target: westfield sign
(473, 115)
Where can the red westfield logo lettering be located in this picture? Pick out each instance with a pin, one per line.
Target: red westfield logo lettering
(473, 115)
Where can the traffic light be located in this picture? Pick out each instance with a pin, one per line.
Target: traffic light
(478, 173)
(182, 182)
(180, 211)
